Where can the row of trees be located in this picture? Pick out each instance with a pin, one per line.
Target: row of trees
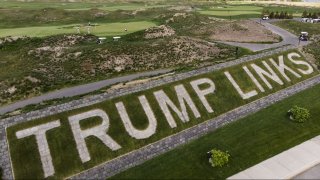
(277, 15)
(313, 15)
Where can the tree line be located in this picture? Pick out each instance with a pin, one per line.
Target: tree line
(277, 15)
(314, 15)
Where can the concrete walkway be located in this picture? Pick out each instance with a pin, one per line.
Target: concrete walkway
(78, 90)
(286, 165)
(288, 39)
(313, 173)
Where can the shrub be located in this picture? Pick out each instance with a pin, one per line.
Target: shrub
(218, 158)
(299, 114)
(276, 16)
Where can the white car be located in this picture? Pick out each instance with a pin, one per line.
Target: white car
(265, 18)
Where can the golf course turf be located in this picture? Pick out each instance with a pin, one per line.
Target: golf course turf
(99, 29)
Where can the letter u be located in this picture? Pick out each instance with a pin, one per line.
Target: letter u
(133, 132)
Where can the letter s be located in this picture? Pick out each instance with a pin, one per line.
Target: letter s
(306, 72)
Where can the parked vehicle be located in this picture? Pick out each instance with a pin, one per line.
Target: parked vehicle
(303, 36)
(265, 17)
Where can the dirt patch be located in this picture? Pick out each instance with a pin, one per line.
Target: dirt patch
(159, 31)
(243, 31)
(210, 28)
(56, 47)
(181, 8)
(11, 39)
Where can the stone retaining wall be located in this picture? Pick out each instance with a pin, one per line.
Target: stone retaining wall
(152, 150)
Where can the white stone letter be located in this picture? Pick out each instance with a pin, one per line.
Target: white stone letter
(281, 67)
(310, 68)
(43, 147)
(271, 74)
(202, 93)
(133, 132)
(97, 131)
(256, 82)
(239, 90)
(183, 97)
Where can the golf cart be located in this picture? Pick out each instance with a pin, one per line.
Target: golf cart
(303, 36)
(265, 17)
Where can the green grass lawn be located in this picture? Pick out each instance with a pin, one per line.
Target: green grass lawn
(229, 13)
(233, 10)
(25, 157)
(110, 6)
(249, 141)
(103, 29)
(251, 11)
(297, 27)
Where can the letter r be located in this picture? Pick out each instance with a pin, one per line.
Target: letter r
(97, 131)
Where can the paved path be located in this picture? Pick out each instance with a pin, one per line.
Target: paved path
(78, 90)
(313, 173)
(287, 164)
(288, 39)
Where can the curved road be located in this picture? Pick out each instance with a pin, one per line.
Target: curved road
(288, 38)
(78, 90)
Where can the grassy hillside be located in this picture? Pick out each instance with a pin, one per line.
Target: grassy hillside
(25, 157)
(297, 27)
(249, 141)
(33, 66)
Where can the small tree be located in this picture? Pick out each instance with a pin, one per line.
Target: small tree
(314, 15)
(290, 16)
(271, 15)
(281, 15)
(276, 15)
(286, 15)
(267, 12)
(305, 14)
(310, 15)
(299, 114)
(218, 158)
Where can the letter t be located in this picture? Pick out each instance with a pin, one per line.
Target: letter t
(43, 147)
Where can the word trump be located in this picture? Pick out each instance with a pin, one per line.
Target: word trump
(264, 76)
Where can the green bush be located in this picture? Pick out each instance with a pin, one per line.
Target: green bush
(218, 158)
(299, 114)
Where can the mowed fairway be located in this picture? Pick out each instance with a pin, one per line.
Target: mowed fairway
(79, 6)
(254, 11)
(130, 7)
(106, 29)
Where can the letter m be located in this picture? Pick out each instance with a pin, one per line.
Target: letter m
(184, 99)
